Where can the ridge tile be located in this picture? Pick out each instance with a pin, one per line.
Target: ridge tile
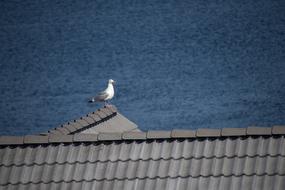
(62, 130)
(55, 132)
(278, 129)
(11, 140)
(182, 133)
(76, 124)
(69, 127)
(82, 122)
(101, 114)
(88, 119)
(112, 108)
(94, 116)
(81, 137)
(109, 136)
(35, 139)
(233, 132)
(258, 131)
(60, 138)
(158, 134)
(107, 111)
(134, 135)
(208, 133)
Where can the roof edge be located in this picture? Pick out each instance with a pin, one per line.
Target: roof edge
(85, 122)
(173, 134)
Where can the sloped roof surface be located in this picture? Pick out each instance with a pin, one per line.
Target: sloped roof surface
(106, 120)
(252, 158)
(104, 150)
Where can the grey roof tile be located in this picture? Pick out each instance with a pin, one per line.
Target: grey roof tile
(101, 114)
(62, 130)
(60, 138)
(158, 134)
(124, 123)
(275, 146)
(107, 111)
(109, 136)
(76, 124)
(112, 108)
(55, 132)
(11, 140)
(88, 119)
(276, 130)
(201, 148)
(35, 139)
(179, 133)
(94, 116)
(89, 131)
(233, 132)
(117, 123)
(85, 137)
(258, 131)
(69, 127)
(208, 132)
(82, 122)
(133, 135)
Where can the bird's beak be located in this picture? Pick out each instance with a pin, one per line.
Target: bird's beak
(114, 82)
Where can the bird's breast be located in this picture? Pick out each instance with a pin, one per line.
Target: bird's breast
(110, 92)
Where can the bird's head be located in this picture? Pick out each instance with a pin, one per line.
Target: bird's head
(111, 81)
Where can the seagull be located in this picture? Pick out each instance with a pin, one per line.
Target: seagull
(105, 95)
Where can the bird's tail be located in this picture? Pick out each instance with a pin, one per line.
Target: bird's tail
(92, 100)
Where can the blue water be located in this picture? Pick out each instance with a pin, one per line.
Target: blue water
(178, 64)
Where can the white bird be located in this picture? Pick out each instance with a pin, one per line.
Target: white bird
(105, 95)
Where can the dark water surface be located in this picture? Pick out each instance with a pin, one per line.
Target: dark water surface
(178, 64)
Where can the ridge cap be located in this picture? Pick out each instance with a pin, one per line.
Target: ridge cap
(148, 135)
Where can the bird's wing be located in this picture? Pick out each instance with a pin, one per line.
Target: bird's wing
(101, 96)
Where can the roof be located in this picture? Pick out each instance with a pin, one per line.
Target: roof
(230, 158)
(106, 119)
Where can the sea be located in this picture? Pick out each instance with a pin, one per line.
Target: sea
(179, 64)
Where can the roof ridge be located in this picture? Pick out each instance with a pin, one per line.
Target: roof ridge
(173, 134)
(84, 122)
